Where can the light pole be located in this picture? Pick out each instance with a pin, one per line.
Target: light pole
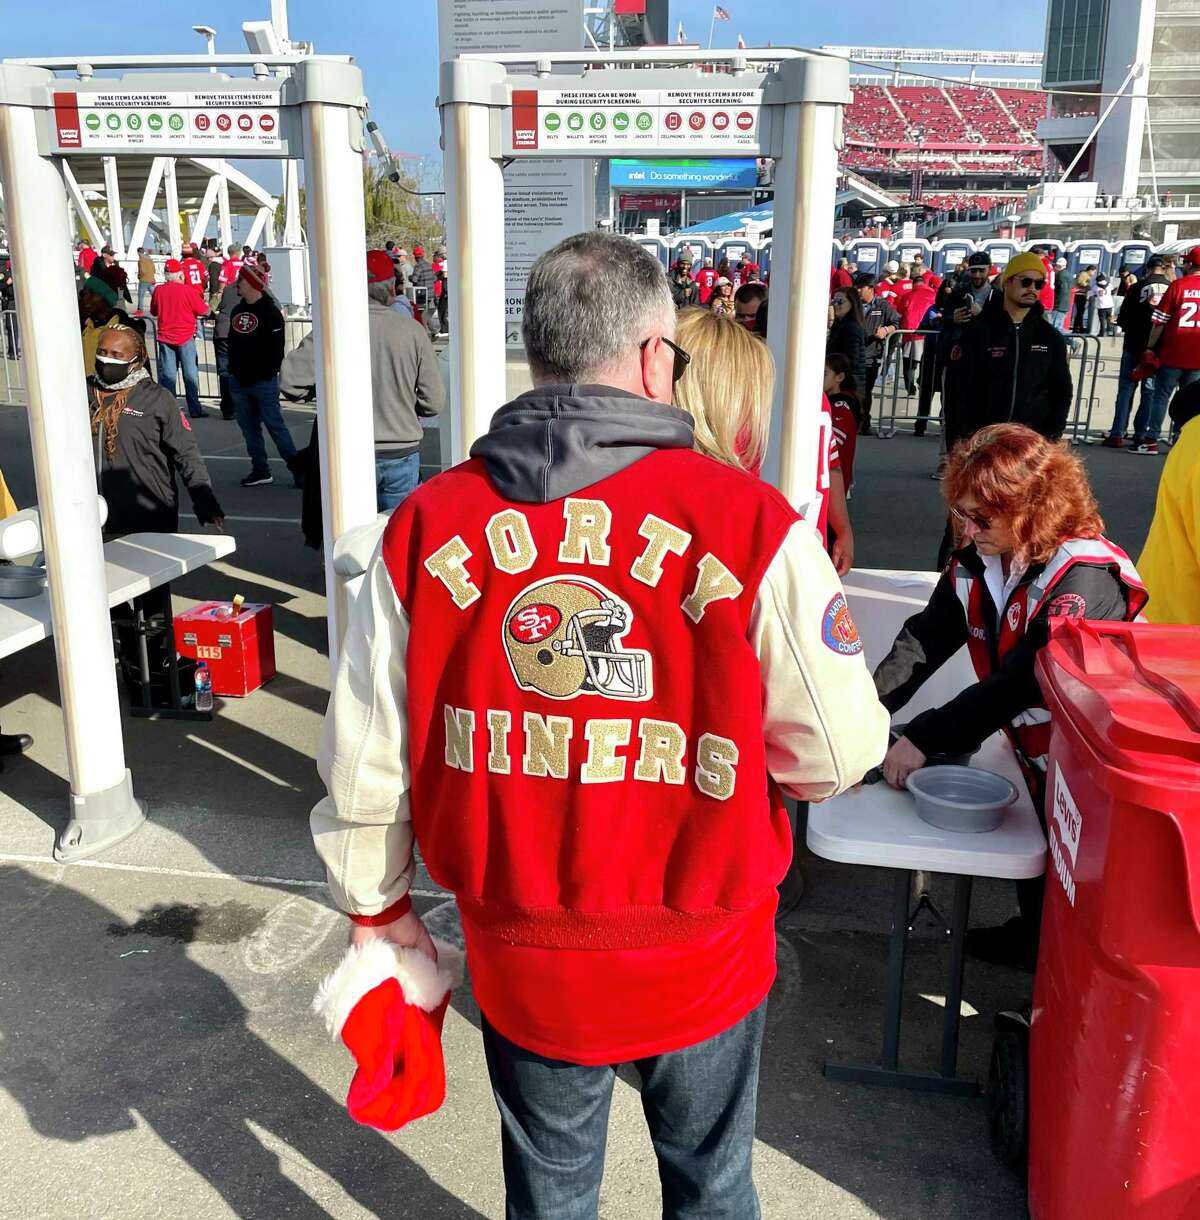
(210, 40)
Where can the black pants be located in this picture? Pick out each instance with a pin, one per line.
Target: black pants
(928, 384)
(221, 350)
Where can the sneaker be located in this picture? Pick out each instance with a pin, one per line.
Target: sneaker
(1147, 447)
(940, 473)
(1113, 442)
(256, 478)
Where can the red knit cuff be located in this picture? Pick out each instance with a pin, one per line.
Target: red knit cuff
(397, 910)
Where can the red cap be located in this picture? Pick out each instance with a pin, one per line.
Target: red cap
(1193, 256)
(379, 267)
(257, 275)
(173, 266)
(418, 251)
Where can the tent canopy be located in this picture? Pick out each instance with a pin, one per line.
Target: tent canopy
(736, 222)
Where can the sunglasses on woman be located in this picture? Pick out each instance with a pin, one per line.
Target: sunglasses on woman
(965, 518)
(681, 358)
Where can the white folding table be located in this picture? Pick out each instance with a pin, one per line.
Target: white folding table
(133, 565)
(877, 825)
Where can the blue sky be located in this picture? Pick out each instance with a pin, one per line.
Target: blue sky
(396, 42)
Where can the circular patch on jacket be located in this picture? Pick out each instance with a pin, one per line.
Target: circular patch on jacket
(1067, 605)
(244, 323)
(1014, 616)
(838, 629)
(534, 623)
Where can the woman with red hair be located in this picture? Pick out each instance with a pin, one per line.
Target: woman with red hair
(1030, 548)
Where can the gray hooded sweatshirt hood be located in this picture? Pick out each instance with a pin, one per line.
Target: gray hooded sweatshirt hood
(557, 439)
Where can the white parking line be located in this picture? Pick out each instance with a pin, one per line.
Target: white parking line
(196, 873)
(268, 520)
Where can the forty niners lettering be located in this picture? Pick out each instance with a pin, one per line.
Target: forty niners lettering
(657, 749)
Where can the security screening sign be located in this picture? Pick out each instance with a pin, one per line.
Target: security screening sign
(242, 123)
(600, 121)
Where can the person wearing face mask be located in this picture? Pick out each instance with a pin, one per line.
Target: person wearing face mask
(142, 440)
(1030, 547)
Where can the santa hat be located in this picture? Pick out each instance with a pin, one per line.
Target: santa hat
(388, 1004)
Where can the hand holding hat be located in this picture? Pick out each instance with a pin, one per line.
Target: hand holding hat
(1147, 366)
(388, 1003)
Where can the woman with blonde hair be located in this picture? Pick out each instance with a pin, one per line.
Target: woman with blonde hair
(727, 389)
(1031, 548)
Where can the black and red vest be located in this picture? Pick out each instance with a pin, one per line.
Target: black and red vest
(1030, 730)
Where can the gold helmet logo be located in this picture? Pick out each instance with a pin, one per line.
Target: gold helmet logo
(562, 638)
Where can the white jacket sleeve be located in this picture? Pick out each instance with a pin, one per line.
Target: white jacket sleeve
(362, 830)
(823, 723)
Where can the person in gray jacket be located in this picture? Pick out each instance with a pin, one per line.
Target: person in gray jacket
(405, 384)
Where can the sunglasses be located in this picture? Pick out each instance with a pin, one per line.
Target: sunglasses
(964, 518)
(681, 358)
(1027, 281)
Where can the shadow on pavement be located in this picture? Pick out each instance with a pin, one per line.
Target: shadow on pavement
(87, 1049)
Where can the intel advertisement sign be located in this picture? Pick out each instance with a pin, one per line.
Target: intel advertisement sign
(727, 173)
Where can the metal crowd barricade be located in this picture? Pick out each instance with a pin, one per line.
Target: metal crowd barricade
(12, 371)
(1086, 362)
(890, 415)
(895, 411)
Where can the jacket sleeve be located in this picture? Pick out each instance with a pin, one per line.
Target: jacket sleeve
(925, 643)
(823, 725)
(431, 395)
(362, 830)
(298, 373)
(971, 717)
(1059, 389)
(180, 442)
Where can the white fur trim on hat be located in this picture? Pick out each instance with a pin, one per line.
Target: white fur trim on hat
(364, 967)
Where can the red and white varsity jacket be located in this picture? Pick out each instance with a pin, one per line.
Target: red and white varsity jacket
(585, 710)
(1085, 578)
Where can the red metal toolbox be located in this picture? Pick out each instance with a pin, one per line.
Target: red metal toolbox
(237, 645)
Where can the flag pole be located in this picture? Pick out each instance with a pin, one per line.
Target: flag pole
(712, 25)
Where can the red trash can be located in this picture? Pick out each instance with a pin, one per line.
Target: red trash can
(1114, 1057)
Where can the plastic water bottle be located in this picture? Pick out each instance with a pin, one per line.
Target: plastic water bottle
(204, 699)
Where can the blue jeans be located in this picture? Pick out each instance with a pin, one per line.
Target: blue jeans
(699, 1104)
(1166, 381)
(145, 292)
(184, 355)
(395, 477)
(255, 406)
(1129, 362)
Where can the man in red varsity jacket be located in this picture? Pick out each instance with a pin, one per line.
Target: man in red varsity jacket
(583, 669)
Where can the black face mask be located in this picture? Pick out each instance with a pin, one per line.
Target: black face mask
(111, 371)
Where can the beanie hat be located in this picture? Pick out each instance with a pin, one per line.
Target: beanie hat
(380, 268)
(418, 251)
(388, 1004)
(172, 266)
(104, 291)
(256, 274)
(1024, 264)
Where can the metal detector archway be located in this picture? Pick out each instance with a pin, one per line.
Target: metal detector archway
(778, 103)
(315, 114)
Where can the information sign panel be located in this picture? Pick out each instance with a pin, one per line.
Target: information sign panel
(223, 122)
(603, 121)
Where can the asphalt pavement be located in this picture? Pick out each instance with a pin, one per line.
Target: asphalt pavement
(157, 1052)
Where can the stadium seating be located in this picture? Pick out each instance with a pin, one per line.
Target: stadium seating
(991, 121)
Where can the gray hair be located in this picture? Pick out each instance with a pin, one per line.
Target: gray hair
(385, 294)
(589, 301)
